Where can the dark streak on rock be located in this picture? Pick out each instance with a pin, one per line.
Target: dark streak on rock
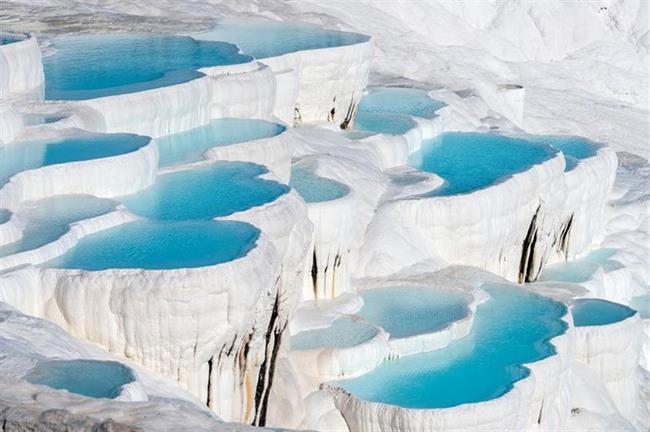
(526, 273)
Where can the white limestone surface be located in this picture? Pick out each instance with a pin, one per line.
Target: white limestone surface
(192, 325)
(21, 69)
(485, 228)
(330, 81)
(612, 352)
(11, 123)
(273, 152)
(26, 341)
(243, 90)
(540, 401)
(105, 177)
(59, 246)
(329, 363)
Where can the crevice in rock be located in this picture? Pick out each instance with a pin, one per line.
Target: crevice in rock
(314, 274)
(266, 371)
(210, 363)
(352, 109)
(564, 237)
(297, 116)
(332, 114)
(526, 263)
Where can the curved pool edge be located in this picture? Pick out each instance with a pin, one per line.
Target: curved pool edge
(92, 176)
(329, 363)
(439, 339)
(524, 405)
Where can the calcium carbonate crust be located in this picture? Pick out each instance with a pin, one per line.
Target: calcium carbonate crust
(137, 170)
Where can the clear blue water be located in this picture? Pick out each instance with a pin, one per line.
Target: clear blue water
(216, 190)
(597, 312)
(472, 161)
(313, 188)
(92, 66)
(513, 328)
(6, 39)
(50, 218)
(641, 304)
(400, 100)
(573, 147)
(410, 310)
(265, 38)
(580, 270)
(157, 245)
(92, 378)
(22, 156)
(385, 123)
(189, 146)
(344, 332)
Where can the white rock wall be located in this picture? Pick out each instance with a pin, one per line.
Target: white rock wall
(612, 352)
(328, 79)
(21, 69)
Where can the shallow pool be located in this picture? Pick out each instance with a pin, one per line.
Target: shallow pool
(219, 189)
(597, 312)
(574, 148)
(471, 161)
(26, 155)
(400, 100)
(385, 123)
(582, 269)
(92, 66)
(189, 146)
(511, 329)
(313, 188)
(411, 310)
(92, 378)
(266, 38)
(157, 245)
(48, 219)
(344, 332)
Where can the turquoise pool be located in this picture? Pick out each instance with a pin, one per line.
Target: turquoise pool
(582, 269)
(472, 161)
(400, 100)
(92, 66)
(265, 38)
(154, 245)
(384, 123)
(597, 312)
(189, 146)
(344, 332)
(22, 156)
(511, 329)
(219, 189)
(91, 378)
(574, 148)
(313, 188)
(405, 311)
(48, 219)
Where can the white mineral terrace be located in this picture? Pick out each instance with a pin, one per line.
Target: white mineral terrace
(383, 218)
